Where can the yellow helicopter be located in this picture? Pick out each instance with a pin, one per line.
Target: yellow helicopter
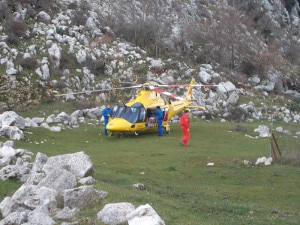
(138, 115)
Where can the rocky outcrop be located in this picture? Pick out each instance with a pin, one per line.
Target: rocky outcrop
(48, 183)
(56, 188)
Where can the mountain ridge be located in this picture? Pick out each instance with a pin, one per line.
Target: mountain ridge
(68, 46)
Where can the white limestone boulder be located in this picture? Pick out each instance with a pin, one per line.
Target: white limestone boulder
(78, 163)
(82, 196)
(145, 215)
(115, 213)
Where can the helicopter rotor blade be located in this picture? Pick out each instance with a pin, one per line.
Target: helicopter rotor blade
(146, 85)
(100, 90)
(186, 85)
(171, 85)
(205, 85)
(166, 93)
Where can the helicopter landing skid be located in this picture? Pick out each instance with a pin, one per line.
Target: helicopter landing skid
(121, 135)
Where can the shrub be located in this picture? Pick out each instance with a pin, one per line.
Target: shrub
(12, 39)
(294, 105)
(236, 114)
(247, 67)
(46, 6)
(47, 99)
(4, 11)
(61, 31)
(293, 53)
(15, 28)
(55, 72)
(67, 61)
(289, 5)
(83, 104)
(79, 18)
(72, 5)
(236, 78)
(291, 157)
(28, 63)
(141, 69)
(60, 85)
(95, 66)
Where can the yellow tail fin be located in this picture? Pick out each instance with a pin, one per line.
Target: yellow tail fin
(188, 95)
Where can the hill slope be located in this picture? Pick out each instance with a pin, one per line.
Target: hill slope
(64, 46)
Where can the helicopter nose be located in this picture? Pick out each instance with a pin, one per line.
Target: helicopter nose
(118, 124)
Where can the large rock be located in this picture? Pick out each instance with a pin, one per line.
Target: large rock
(15, 171)
(39, 162)
(8, 206)
(59, 180)
(66, 213)
(145, 215)
(78, 163)
(263, 131)
(32, 197)
(12, 132)
(39, 218)
(10, 118)
(15, 218)
(6, 151)
(225, 88)
(82, 196)
(115, 213)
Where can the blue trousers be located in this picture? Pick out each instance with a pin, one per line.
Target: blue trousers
(159, 127)
(105, 123)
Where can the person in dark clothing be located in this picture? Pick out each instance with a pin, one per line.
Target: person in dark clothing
(159, 117)
(106, 113)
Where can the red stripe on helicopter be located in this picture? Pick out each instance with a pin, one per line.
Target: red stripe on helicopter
(186, 85)
(167, 93)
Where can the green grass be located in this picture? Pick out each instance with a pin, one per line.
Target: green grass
(180, 186)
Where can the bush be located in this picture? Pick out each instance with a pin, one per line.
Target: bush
(236, 114)
(291, 158)
(289, 5)
(60, 85)
(72, 5)
(236, 78)
(67, 61)
(95, 66)
(83, 104)
(61, 31)
(15, 29)
(55, 72)
(47, 6)
(47, 100)
(247, 68)
(79, 18)
(294, 105)
(28, 63)
(4, 11)
(140, 69)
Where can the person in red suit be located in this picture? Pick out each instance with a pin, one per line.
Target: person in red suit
(185, 127)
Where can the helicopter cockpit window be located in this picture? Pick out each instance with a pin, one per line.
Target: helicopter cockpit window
(118, 110)
(142, 115)
(133, 114)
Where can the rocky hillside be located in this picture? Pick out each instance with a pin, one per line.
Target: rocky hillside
(251, 48)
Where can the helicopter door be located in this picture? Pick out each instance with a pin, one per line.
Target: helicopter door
(150, 118)
(166, 112)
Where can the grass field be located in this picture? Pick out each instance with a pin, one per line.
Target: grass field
(180, 186)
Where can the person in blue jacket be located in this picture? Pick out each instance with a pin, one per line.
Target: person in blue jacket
(159, 117)
(106, 113)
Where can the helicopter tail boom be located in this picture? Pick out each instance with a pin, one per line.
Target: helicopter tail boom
(188, 95)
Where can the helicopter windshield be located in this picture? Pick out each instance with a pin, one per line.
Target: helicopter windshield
(133, 114)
